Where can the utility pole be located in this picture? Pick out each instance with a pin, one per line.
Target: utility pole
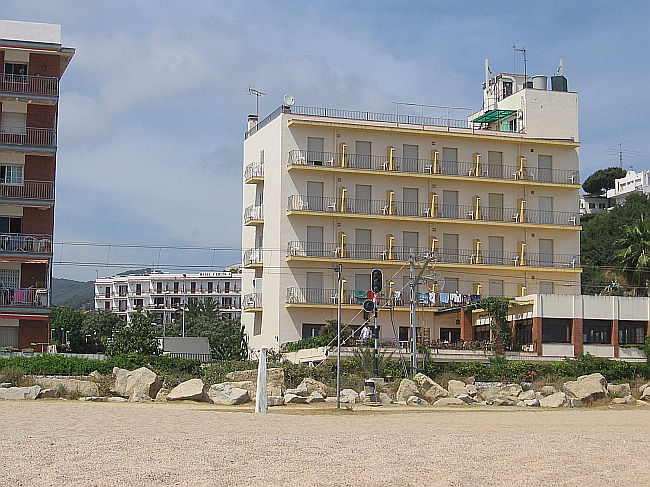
(413, 283)
(374, 300)
(338, 269)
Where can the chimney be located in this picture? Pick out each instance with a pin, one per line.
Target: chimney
(252, 121)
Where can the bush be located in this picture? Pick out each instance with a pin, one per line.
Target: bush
(13, 375)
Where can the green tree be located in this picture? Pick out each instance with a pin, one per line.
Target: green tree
(633, 254)
(98, 327)
(201, 307)
(70, 320)
(139, 337)
(497, 309)
(226, 337)
(602, 180)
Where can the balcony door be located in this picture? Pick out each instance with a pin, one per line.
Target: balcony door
(363, 198)
(450, 204)
(449, 160)
(450, 247)
(314, 291)
(363, 239)
(314, 195)
(409, 158)
(410, 201)
(410, 244)
(545, 168)
(314, 242)
(545, 252)
(546, 209)
(495, 164)
(495, 207)
(363, 159)
(495, 251)
(315, 150)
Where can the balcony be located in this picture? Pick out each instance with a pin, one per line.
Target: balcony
(253, 258)
(39, 193)
(254, 173)
(24, 298)
(18, 243)
(400, 255)
(28, 138)
(341, 207)
(254, 215)
(252, 302)
(29, 85)
(431, 168)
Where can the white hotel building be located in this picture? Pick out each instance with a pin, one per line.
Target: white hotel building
(164, 294)
(494, 197)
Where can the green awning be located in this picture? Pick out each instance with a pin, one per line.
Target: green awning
(493, 116)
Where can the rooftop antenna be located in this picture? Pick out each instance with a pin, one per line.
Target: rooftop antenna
(514, 55)
(257, 93)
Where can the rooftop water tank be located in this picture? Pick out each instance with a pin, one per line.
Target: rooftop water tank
(558, 83)
(540, 82)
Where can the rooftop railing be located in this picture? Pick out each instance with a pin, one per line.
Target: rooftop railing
(424, 210)
(36, 190)
(254, 212)
(34, 136)
(21, 243)
(427, 166)
(254, 170)
(30, 84)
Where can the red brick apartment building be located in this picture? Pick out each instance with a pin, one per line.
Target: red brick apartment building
(33, 62)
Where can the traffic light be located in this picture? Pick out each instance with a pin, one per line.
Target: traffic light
(376, 281)
(369, 306)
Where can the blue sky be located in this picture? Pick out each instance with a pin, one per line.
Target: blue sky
(154, 104)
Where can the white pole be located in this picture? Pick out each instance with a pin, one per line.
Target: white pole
(262, 399)
(338, 270)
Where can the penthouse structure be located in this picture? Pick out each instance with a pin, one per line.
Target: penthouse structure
(33, 61)
(493, 197)
(166, 295)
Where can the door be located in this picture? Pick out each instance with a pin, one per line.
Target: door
(362, 249)
(495, 207)
(363, 197)
(315, 151)
(315, 242)
(450, 247)
(546, 209)
(545, 252)
(495, 251)
(545, 168)
(449, 160)
(495, 164)
(363, 159)
(409, 158)
(314, 291)
(314, 195)
(450, 204)
(410, 201)
(410, 243)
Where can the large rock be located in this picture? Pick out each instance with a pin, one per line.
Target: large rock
(70, 386)
(548, 390)
(619, 390)
(645, 394)
(351, 395)
(587, 388)
(249, 385)
(456, 388)
(531, 402)
(276, 401)
(142, 380)
(385, 398)
(556, 400)
(449, 401)
(416, 401)
(527, 395)
(47, 394)
(511, 390)
(315, 397)
(162, 395)
(490, 394)
(139, 396)
(466, 398)
(274, 379)
(407, 388)
(190, 390)
(301, 390)
(20, 392)
(225, 394)
(313, 385)
(429, 389)
(294, 399)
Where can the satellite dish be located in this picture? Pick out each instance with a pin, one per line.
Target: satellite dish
(289, 100)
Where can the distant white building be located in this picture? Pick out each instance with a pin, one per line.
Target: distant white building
(164, 294)
(633, 182)
(591, 204)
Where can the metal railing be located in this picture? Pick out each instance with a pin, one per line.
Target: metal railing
(426, 166)
(254, 170)
(424, 210)
(37, 190)
(28, 136)
(19, 242)
(24, 297)
(30, 85)
(252, 256)
(444, 256)
(252, 300)
(254, 212)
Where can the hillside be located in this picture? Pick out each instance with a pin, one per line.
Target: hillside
(74, 294)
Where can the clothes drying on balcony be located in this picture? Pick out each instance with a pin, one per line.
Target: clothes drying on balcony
(360, 296)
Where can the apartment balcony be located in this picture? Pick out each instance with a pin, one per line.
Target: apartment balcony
(25, 245)
(253, 258)
(254, 215)
(29, 193)
(351, 299)
(252, 302)
(32, 140)
(411, 211)
(45, 89)
(428, 168)
(24, 300)
(398, 255)
(254, 173)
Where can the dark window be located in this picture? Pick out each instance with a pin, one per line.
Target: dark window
(556, 330)
(176, 302)
(107, 305)
(507, 89)
(176, 287)
(138, 303)
(450, 334)
(597, 331)
(524, 332)
(309, 331)
(632, 332)
(10, 225)
(482, 333)
(192, 287)
(159, 301)
(107, 293)
(159, 287)
(138, 289)
(210, 287)
(226, 286)
(15, 71)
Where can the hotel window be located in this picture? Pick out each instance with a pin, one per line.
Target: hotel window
(10, 224)
(10, 278)
(226, 286)
(631, 332)
(15, 71)
(138, 303)
(11, 175)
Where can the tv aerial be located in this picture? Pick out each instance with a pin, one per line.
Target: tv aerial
(289, 100)
(257, 93)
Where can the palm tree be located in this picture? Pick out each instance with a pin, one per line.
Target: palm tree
(632, 253)
(209, 307)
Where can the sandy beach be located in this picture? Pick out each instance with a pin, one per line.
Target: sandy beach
(51, 442)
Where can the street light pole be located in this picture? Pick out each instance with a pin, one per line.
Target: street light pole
(184, 302)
